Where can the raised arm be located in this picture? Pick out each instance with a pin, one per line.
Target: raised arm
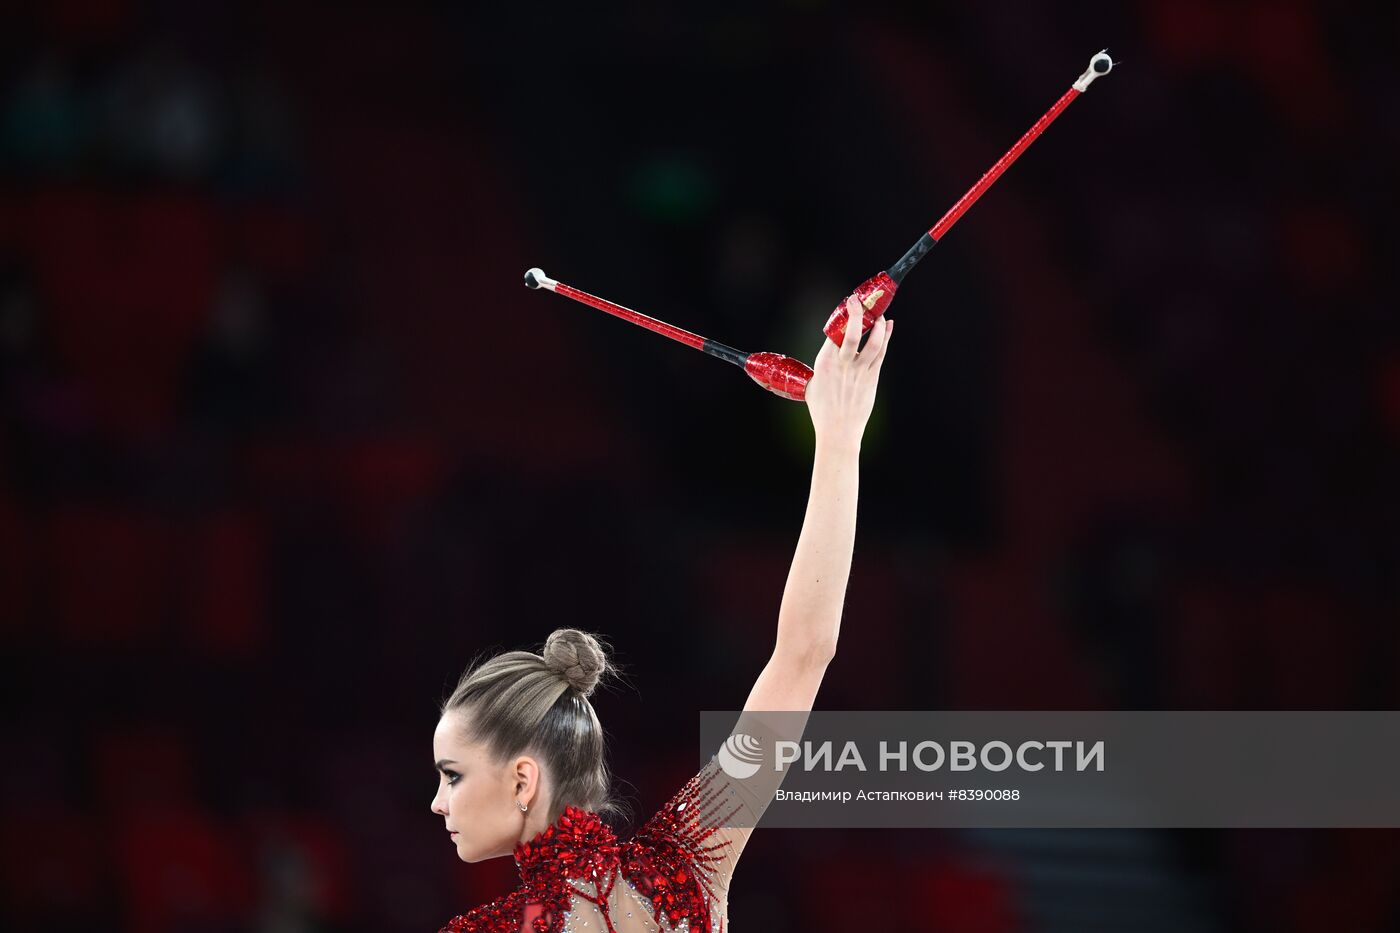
(840, 397)
(699, 834)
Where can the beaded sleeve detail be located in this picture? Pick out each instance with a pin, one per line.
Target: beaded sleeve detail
(674, 858)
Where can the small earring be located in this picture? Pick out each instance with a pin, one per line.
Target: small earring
(523, 808)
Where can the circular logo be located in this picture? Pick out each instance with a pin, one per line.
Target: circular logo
(740, 756)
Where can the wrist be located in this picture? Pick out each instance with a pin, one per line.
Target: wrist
(838, 443)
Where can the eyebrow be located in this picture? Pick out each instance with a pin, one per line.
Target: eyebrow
(444, 761)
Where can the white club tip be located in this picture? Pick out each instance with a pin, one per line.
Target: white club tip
(535, 278)
(1100, 65)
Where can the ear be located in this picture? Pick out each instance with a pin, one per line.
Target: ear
(525, 774)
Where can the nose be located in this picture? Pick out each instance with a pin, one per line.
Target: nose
(437, 806)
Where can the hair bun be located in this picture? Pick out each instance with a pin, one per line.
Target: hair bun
(578, 657)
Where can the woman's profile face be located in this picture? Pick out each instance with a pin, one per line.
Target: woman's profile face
(475, 795)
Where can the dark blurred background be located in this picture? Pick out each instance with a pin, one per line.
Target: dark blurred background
(284, 442)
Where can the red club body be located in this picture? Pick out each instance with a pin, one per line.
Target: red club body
(876, 292)
(781, 375)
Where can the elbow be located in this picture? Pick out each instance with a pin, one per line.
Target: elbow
(813, 654)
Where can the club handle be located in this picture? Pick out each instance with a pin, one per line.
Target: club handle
(911, 259)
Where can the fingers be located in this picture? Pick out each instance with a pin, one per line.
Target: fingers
(889, 335)
(878, 358)
(878, 333)
(854, 315)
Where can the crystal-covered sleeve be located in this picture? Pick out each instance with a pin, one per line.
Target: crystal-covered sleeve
(682, 859)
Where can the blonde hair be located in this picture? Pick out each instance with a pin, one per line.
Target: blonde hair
(520, 701)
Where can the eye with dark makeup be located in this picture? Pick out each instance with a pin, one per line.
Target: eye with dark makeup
(452, 776)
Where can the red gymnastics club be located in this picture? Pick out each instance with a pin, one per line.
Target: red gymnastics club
(785, 376)
(781, 375)
(876, 292)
